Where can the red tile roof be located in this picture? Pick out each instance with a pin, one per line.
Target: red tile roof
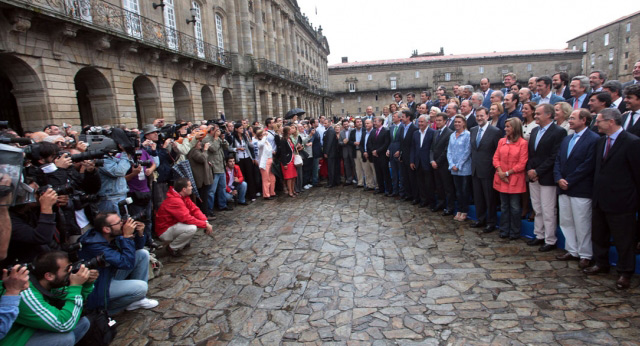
(451, 57)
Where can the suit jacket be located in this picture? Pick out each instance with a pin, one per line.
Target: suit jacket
(394, 144)
(413, 107)
(352, 140)
(379, 143)
(482, 154)
(330, 143)
(471, 122)
(578, 168)
(635, 129)
(421, 155)
(553, 100)
(348, 148)
(617, 179)
(567, 93)
(406, 143)
(286, 154)
(451, 125)
(543, 159)
(438, 150)
(486, 103)
(627, 84)
(585, 102)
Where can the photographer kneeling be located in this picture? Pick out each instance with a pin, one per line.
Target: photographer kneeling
(179, 218)
(51, 307)
(122, 284)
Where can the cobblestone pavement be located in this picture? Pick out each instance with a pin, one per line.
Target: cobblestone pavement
(343, 266)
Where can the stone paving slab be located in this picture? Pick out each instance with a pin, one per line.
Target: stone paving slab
(345, 267)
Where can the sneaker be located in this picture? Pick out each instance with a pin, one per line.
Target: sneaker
(307, 187)
(258, 194)
(144, 303)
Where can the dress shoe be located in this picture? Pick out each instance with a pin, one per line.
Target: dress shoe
(514, 237)
(624, 281)
(437, 208)
(547, 247)
(584, 263)
(595, 269)
(415, 201)
(535, 241)
(447, 213)
(503, 236)
(388, 195)
(567, 257)
(477, 224)
(489, 229)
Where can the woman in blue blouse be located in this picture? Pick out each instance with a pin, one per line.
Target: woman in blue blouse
(459, 156)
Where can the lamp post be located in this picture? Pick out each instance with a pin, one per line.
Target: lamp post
(193, 16)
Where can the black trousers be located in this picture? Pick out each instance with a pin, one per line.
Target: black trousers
(426, 186)
(333, 170)
(484, 197)
(623, 229)
(349, 167)
(410, 181)
(444, 189)
(247, 169)
(383, 175)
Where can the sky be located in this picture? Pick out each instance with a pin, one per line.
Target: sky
(376, 29)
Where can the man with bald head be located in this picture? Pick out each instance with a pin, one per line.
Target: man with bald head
(467, 111)
(533, 86)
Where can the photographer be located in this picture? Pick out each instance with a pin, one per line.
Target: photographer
(217, 147)
(178, 218)
(122, 284)
(201, 168)
(12, 284)
(112, 175)
(51, 307)
(138, 178)
(183, 144)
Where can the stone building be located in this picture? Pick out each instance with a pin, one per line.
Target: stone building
(357, 85)
(129, 61)
(612, 48)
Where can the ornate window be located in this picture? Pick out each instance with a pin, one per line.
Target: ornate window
(352, 87)
(197, 28)
(170, 24)
(219, 32)
(132, 17)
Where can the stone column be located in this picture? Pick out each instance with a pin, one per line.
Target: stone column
(259, 51)
(282, 57)
(293, 43)
(271, 48)
(231, 28)
(246, 28)
(288, 47)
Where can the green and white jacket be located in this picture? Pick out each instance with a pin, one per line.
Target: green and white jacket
(36, 312)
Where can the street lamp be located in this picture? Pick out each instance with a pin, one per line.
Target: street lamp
(161, 4)
(193, 15)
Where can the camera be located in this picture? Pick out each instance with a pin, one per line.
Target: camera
(21, 141)
(94, 263)
(124, 211)
(145, 163)
(9, 268)
(98, 162)
(65, 189)
(88, 155)
(80, 199)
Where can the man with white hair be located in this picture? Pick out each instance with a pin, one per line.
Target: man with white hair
(579, 96)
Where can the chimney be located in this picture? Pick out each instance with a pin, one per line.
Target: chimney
(345, 59)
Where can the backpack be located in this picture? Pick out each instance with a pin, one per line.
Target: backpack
(102, 330)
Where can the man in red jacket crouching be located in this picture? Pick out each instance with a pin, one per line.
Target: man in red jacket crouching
(179, 218)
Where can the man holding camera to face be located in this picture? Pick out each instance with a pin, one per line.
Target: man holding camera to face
(52, 302)
(122, 284)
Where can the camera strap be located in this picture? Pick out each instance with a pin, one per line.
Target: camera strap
(51, 298)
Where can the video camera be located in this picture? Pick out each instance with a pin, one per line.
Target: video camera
(137, 162)
(94, 263)
(18, 140)
(124, 211)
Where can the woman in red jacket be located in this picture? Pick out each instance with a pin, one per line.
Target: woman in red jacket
(510, 161)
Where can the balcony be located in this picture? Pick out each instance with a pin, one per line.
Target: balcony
(270, 68)
(111, 19)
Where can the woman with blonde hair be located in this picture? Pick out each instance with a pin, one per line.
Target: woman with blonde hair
(563, 111)
(510, 161)
(459, 157)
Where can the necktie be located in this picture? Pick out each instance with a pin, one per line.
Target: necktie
(439, 133)
(576, 104)
(572, 142)
(395, 129)
(632, 120)
(608, 147)
(479, 137)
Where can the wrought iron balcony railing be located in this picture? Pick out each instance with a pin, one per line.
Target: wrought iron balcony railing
(112, 19)
(271, 68)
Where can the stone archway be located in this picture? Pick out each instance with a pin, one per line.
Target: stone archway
(95, 98)
(146, 99)
(182, 102)
(227, 100)
(209, 107)
(23, 102)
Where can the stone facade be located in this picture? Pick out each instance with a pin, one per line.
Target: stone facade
(612, 48)
(373, 83)
(128, 61)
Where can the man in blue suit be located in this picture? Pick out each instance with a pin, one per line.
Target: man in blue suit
(579, 96)
(409, 179)
(573, 172)
(544, 92)
(509, 80)
(393, 152)
(420, 162)
(486, 92)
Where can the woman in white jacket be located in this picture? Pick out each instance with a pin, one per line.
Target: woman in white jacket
(265, 154)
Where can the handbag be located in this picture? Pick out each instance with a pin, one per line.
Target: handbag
(297, 160)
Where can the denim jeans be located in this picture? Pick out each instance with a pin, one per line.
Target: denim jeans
(510, 214)
(129, 285)
(216, 191)
(110, 205)
(242, 191)
(315, 171)
(42, 337)
(461, 182)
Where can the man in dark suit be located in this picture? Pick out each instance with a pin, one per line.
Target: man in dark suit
(597, 102)
(347, 151)
(452, 111)
(579, 96)
(573, 172)
(356, 136)
(408, 189)
(467, 111)
(511, 100)
(411, 102)
(420, 157)
(636, 76)
(484, 142)
(377, 147)
(630, 119)
(544, 144)
(393, 152)
(485, 86)
(367, 158)
(615, 197)
(331, 154)
(614, 88)
(316, 149)
(560, 82)
(545, 95)
(445, 190)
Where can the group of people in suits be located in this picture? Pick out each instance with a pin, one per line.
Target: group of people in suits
(587, 177)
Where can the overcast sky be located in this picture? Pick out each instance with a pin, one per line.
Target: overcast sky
(382, 29)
